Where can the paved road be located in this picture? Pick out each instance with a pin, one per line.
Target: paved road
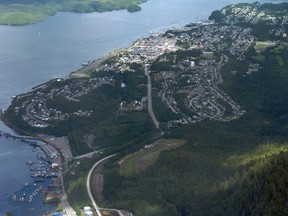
(149, 92)
(89, 186)
(66, 206)
(88, 155)
(117, 211)
(28, 108)
(164, 95)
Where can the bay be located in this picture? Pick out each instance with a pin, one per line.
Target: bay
(33, 54)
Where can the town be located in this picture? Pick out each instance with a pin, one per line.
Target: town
(198, 77)
(185, 70)
(37, 114)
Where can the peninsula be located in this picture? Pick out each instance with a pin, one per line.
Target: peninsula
(197, 116)
(15, 12)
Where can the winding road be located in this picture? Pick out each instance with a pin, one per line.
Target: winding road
(88, 185)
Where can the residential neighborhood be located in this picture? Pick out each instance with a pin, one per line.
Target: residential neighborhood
(216, 87)
(197, 76)
(36, 112)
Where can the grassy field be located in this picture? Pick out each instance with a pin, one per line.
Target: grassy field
(143, 158)
(208, 168)
(208, 180)
(225, 168)
(264, 44)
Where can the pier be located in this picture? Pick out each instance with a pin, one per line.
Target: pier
(31, 141)
(25, 197)
(45, 175)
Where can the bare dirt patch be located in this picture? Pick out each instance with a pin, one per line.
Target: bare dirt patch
(89, 138)
(97, 182)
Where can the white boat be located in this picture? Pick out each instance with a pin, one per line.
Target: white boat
(86, 63)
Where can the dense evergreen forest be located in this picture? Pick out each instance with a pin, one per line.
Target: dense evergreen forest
(20, 12)
(225, 168)
(232, 168)
(209, 167)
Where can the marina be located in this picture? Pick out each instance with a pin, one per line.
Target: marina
(25, 197)
(46, 181)
(92, 36)
(38, 180)
(45, 176)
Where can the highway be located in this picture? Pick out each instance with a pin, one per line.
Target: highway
(149, 92)
(88, 155)
(89, 186)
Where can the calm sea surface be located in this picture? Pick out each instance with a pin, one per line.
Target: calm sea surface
(32, 54)
(15, 178)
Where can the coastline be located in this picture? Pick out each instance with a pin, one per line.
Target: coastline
(29, 152)
(22, 134)
(82, 74)
(87, 70)
(48, 148)
(28, 14)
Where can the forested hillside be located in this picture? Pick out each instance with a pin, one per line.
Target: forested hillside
(225, 168)
(219, 92)
(19, 12)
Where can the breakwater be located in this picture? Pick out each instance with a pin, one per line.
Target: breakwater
(29, 140)
(34, 142)
(20, 159)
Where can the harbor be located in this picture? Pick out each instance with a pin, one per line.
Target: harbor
(46, 183)
(36, 186)
(25, 197)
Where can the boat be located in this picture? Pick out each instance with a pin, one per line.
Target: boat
(86, 63)
(39, 179)
(14, 198)
(29, 162)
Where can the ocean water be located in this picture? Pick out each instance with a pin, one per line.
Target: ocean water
(15, 178)
(33, 54)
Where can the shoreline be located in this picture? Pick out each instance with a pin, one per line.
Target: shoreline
(35, 9)
(25, 136)
(31, 201)
(87, 70)
(84, 72)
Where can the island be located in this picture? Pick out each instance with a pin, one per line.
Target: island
(190, 121)
(134, 8)
(15, 12)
